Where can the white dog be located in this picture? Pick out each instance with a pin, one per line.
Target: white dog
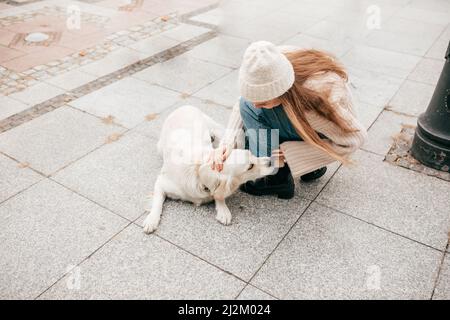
(187, 138)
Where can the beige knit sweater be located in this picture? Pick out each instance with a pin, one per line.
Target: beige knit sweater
(301, 156)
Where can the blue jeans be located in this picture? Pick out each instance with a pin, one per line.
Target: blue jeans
(265, 129)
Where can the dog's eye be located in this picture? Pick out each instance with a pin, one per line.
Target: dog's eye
(250, 167)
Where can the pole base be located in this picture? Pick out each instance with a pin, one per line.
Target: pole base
(429, 152)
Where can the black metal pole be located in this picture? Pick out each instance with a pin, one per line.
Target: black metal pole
(431, 144)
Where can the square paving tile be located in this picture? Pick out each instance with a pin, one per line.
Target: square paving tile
(137, 266)
(442, 291)
(213, 17)
(397, 199)
(256, 30)
(367, 113)
(383, 131)
(437, 51)
(184, 32)
(114, 61)
(333, 46)
(312, 9)
(14, 177)
(245, 10)
(180, 7)
(423, 15)
(439, 48)
(183, 73)
(401, 35)
(310, 190)
(433, 5)
(154, 44)
(124, 20)
(46, 230)
(427, 71)
(224, 50)
(360, 14)
(391, 63)
(339, 31)
(372, 87)
(54, 139)
(399, 42)
(258, 225)
(224, 91)
(328, 255)
(70, 80)
(38, 93)
(128, 100)
(9, 106)
(119, 176)
(277, 25)
(412, 98)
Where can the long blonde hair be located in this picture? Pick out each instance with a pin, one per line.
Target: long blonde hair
(299, 99)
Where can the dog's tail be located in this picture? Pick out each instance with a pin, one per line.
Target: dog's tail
(153, 218)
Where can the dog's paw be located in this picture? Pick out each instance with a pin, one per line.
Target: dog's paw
(224, 217)
(150, 224)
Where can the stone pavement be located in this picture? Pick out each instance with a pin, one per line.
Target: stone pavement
(84, 88)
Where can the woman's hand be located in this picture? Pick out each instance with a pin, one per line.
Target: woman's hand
(218, 156)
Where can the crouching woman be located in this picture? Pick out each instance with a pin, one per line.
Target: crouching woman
(295, 106)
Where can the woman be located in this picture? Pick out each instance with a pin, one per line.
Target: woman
(301, 99)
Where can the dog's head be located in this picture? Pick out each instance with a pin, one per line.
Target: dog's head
(240, 166)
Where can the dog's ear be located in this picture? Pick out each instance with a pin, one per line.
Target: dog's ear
(208, 177)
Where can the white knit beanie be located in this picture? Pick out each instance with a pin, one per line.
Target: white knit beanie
(265, 73)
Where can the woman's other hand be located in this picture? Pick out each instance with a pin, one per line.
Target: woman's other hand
(217, 157)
